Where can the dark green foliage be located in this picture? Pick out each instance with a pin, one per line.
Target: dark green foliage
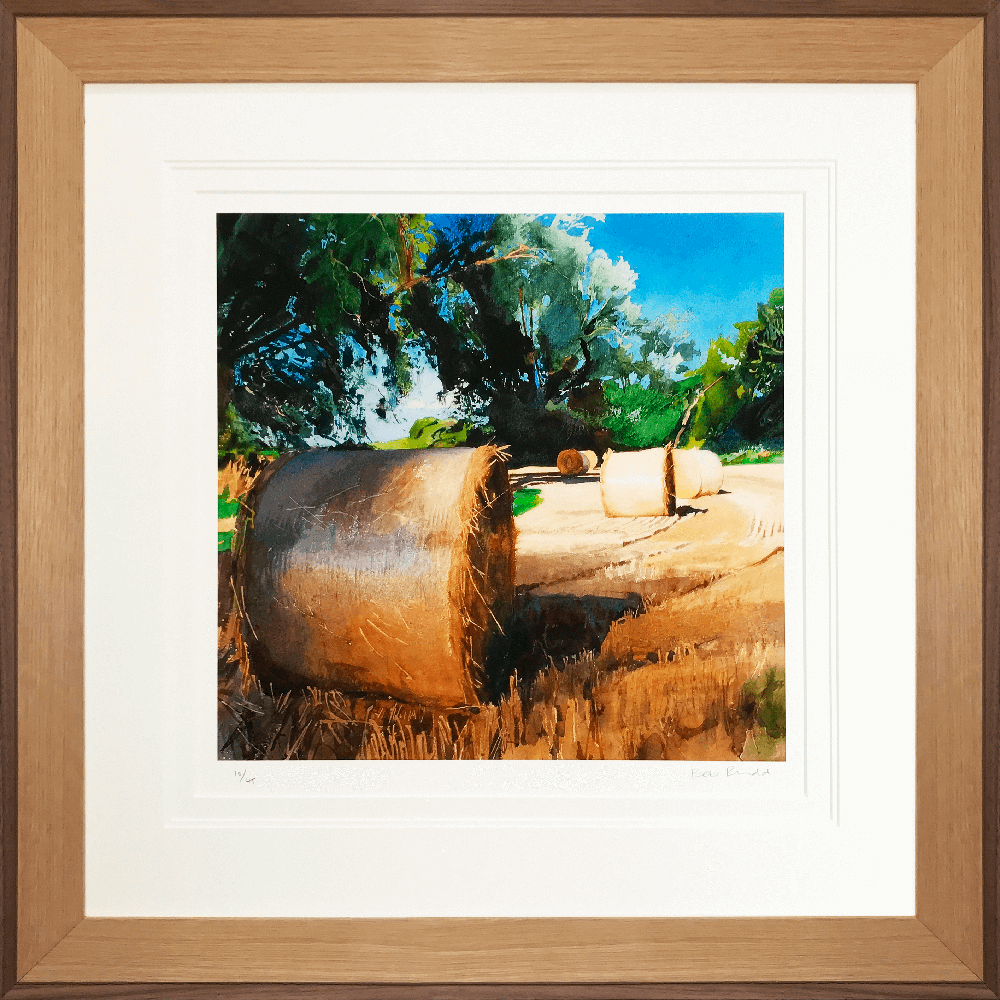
(762, 364)
(521, 316)
(474, 340)
(530, 327)
(308, 311)
(235, 434)
(744, 378)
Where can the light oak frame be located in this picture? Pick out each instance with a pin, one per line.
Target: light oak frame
(49, 949)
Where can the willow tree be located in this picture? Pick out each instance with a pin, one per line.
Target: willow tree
(523, 314)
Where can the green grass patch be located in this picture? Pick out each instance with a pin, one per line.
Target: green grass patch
(753, 456)
(228, 507)
(760, 746)
(525, 500)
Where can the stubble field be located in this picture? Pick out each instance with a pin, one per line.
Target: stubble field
(659, 639)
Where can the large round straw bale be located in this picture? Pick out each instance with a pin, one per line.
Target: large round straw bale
(637, 483)
(697, 473)
(379, 571)
(592, 460)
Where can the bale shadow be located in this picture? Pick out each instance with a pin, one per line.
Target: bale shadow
(547, 628)
(523, 481)
(688, 510)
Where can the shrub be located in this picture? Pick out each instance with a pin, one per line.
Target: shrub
(641, 418)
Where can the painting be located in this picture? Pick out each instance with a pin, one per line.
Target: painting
(501, 487)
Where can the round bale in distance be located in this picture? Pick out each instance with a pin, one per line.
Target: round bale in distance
(383, 572)
(571, 463)
(575, 463)
(637, 483)
(697, 473)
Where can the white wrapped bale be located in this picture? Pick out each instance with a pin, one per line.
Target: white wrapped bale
(697, 473)
(637, 483)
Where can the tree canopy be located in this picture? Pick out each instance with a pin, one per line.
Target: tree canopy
(309, 310)
(744, 379)
(533, 332)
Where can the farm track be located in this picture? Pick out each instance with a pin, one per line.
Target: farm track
(567, 545)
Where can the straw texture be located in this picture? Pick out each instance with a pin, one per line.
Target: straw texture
(383, 572)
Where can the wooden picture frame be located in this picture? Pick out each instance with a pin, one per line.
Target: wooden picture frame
(49, 48)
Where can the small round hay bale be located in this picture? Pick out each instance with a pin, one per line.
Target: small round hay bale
(571, 462)
(382, 572)
(697, 473)
(637, 483)
(575, 463)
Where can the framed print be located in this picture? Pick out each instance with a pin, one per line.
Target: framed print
(593, 597)
(426, 252)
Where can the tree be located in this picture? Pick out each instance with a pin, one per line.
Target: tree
(744, 379)
(574, 305)
(309, 309)
(520, 314)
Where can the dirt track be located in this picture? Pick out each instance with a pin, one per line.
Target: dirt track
(567, 545)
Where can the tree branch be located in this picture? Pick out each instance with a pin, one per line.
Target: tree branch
(688, 411)
(231, 355)
(521, 252)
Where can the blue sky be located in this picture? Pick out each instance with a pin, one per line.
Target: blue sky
(714, 268)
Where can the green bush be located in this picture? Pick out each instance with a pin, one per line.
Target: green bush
(642, 418)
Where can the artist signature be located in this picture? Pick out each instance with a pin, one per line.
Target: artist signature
(243, 779)
(730, 772)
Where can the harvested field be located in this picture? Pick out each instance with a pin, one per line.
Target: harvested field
(647, 637)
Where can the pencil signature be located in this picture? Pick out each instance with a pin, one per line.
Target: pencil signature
(730, 772)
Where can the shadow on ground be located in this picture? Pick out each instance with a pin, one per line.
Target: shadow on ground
(549, 628)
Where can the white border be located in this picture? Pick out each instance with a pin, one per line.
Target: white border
(855, 856)
(550, 792)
